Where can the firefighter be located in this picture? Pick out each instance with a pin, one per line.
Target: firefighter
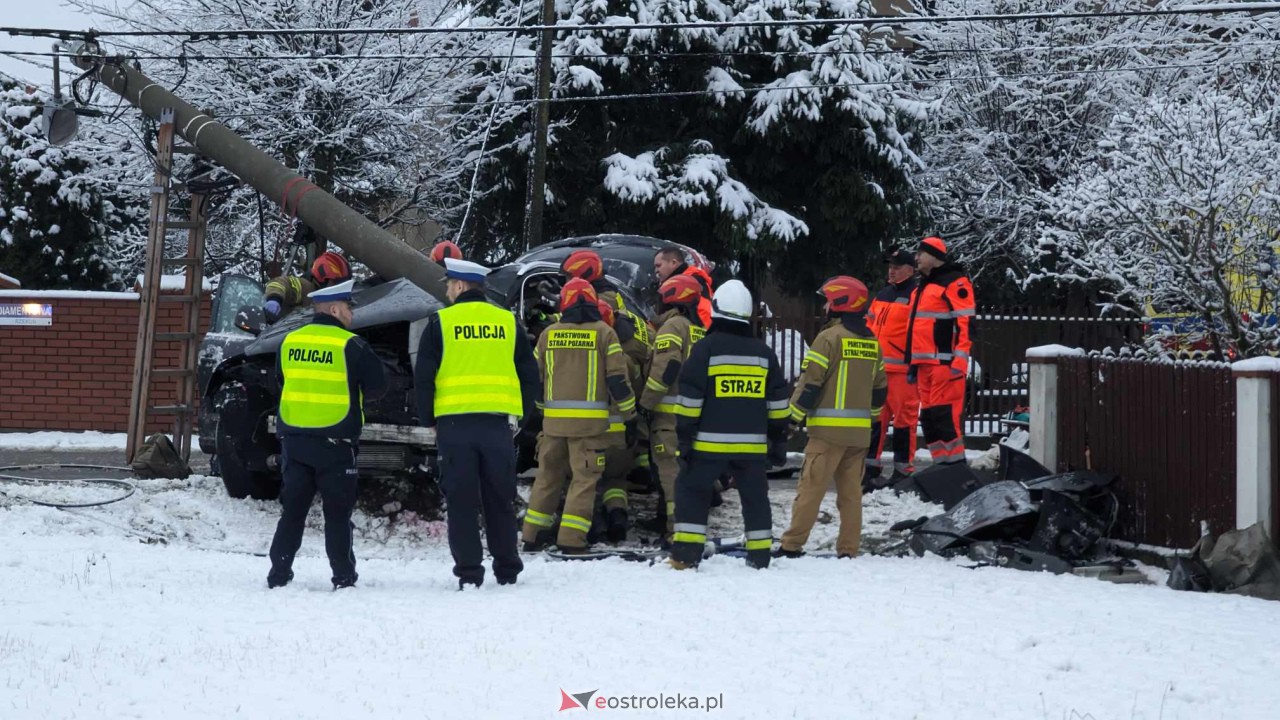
(938, 346)
(679, 329)
(841, 388)
(284, 293)
(445, 249)
(584, 378)
(732, 418)
(326, 373)
(475, 376)
(620, 450)
(670, 261)
(889, 318)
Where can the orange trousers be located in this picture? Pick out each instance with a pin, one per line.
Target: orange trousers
(901, 411)
(942, 412)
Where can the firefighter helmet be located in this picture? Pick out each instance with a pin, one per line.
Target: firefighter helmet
(732, 301)
(330, 268)
(845, 294)
(576, 292)
(606, 312)
(445, 249)
(584, 264)
(680, 290)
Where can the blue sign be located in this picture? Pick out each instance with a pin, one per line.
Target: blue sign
(28, 314)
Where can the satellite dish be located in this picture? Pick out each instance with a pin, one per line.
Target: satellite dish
(60, 122)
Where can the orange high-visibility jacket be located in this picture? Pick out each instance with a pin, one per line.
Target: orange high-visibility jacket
(941, 309)
(889, 318)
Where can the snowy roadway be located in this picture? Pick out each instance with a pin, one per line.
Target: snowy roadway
(156, 607)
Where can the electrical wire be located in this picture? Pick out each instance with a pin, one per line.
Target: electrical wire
(755, 90)
(623, 55)
(873, 20)
(124, 485)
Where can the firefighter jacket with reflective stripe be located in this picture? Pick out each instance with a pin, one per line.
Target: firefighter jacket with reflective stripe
(326, 374)
(842, 384)
(732, 399)
(941, 310)
(291, 291)
(633, 331)
(474, 358)
(584, 376)
(889, 318)
(675, 339)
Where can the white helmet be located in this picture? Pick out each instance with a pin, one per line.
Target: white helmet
(732, 301)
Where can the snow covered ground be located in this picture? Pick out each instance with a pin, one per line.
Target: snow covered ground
(156, 607)
(57, 440)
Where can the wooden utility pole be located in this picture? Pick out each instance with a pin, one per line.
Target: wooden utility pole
(535, 197)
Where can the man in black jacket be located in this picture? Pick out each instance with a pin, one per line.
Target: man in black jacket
(326, 372)
(476, 376)
(731, 416)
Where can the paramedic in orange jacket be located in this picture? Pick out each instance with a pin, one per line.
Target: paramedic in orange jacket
(938, 346)
(889, 318)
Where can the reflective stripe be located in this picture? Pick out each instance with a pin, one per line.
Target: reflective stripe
(654, 384)
(759, 535)
(313, 399)
(830, 412)
(668, 336)
(963, 313)
(730, 437)
(930, 356)
(690, 528)
(747, 443)
(778, 404)
(474, 380)
(575, 522)
(759, 544)
(698, 538)
(668, 404)
(782, 414)
(894, 361)
(961, 354)
(615, 494)
(933, 315)
(797, 413)
(828, 417)
(614, 348)
(727, 369)
(627, 405)
(818, 358)
(577, 404)
(752, 360)
(533, 517)
(687, 407)
(616, 424)
(575, 409)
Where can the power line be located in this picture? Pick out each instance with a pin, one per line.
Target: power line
(872, 20)
(191, 57)
(756, 90)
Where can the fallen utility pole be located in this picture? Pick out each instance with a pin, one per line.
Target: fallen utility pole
(346, 228)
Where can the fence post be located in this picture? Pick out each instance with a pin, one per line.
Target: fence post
(1042, 361)
(1254, 454)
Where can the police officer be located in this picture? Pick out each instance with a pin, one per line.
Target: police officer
(678, 330)
(841, 388)
(731, 415)
(938, 345)
(585, 382)
(889, 318)
(475, 377)
(326, 375)
(284, 293)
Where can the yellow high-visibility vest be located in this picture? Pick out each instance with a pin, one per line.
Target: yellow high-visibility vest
(316, 394)
(478, 372)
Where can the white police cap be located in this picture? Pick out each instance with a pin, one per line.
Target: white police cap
(334, 293)
(465, 270)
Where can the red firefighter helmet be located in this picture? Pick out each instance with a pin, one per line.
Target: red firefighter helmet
(445, 249)
(330, 268)
(575, 292)
(845, 294)
(606, 312)
(584, 264)
(680, 290)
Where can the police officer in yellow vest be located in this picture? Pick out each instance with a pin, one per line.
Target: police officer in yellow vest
(326, 374)
(476, 376)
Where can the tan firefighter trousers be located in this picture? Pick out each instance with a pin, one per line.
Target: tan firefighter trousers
(618, 459)
(579, 460)
(824, 461)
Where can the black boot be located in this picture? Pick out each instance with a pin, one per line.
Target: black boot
(277, 581)
(617, 525)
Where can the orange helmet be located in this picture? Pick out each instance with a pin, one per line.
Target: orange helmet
(606, 312)
(845, 294)
(330, 268)
(445, 249)
(575, 292)
(585, 264)
(680, 290)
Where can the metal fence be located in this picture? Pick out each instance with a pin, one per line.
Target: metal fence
(998, 382)
(1166, 429)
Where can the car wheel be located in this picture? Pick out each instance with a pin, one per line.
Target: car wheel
(231, 443)
(235, 476)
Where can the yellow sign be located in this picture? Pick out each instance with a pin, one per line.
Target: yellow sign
(571, 339)
(855, 349)
(740, 386)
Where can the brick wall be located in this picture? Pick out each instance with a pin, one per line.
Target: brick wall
(77, 374)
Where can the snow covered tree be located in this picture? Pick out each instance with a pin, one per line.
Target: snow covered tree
(352, 112)
(796, 141)
(57, 226)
